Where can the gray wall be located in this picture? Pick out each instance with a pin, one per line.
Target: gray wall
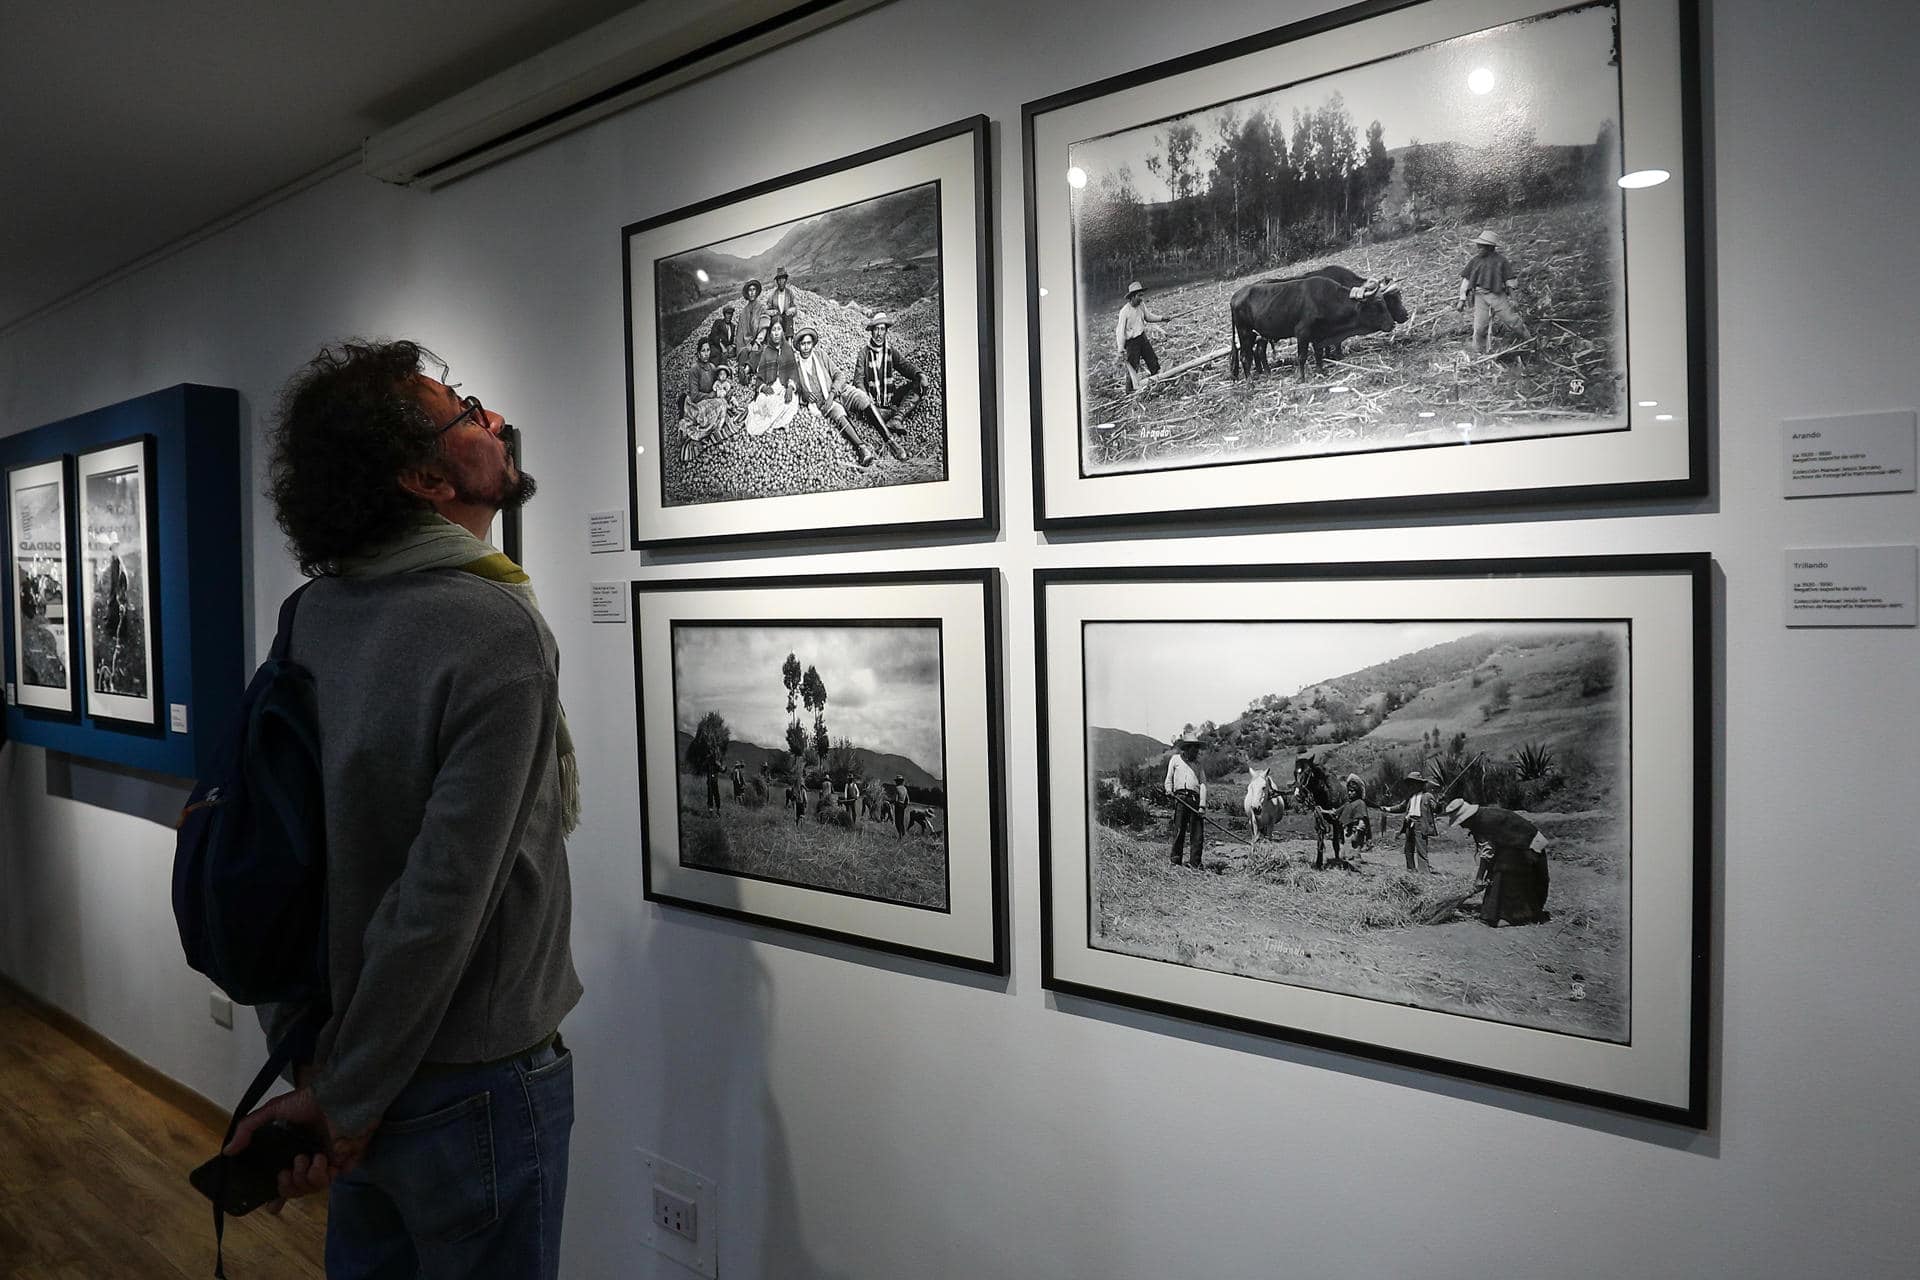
(873, 1119)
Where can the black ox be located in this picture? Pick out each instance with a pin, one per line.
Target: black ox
(1318, 310)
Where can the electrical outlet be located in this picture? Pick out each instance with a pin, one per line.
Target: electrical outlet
(220, 1009)
(684, 1223)
(675, 1213)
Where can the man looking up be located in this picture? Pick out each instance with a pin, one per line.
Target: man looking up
(439, 1082)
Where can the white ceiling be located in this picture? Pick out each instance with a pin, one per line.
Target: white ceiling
(127, 124)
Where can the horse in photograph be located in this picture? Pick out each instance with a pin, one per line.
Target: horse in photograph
(1265, 803)
(1314, 311)
(1313, 790)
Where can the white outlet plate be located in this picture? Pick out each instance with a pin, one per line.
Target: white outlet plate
(220, 1009)
(699, 1255)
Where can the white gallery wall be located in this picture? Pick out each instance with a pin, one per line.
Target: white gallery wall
(872, 1119)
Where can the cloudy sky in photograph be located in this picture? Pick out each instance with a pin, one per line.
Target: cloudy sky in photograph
(1553, 73)
(1157, 677)
(883, 684)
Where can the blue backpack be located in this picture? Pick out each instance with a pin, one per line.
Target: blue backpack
(250, 862)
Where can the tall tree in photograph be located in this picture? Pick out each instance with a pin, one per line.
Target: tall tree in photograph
(813, 693)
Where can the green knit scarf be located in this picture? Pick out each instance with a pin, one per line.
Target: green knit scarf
(436, 542)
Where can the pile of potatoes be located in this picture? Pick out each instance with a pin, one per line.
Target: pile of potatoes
(809, 455)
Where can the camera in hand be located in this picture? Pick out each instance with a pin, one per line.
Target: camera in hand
(241, 1183)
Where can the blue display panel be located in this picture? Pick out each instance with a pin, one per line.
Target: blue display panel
(198, 650)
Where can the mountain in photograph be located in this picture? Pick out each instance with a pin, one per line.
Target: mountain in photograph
(875, 764)
(1501, 690)
(1113, 749)
(897, 228)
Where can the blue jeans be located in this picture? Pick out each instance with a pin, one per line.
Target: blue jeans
(466, 1177)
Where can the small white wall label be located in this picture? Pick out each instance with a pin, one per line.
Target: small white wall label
(177, 713)
(609, 600)
(606, 531)
(1852, 586)
(1859, 453)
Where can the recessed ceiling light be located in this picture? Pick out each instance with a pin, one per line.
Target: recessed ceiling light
(1644, 178)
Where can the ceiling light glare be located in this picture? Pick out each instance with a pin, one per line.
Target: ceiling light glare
(1043, 291)
(1663, 417)
(1643, 178)
(1480, 80)
(1076, 177)
(700, 274)
(1649, 404)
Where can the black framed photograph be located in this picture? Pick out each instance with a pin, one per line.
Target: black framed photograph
(823, 754)
(814, 354)
(39, 521)
(1402, 255)
(114, 491)
(1449, 814)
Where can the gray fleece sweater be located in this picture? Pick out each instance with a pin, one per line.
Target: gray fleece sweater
(446, 872)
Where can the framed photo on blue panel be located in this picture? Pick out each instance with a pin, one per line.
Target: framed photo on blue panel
(118, 535)
(39, 608)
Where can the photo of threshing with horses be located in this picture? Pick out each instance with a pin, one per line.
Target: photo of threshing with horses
(1426, 250)
(1433, 814)
(813, 754)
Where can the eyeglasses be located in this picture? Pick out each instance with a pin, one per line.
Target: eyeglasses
(473, 409)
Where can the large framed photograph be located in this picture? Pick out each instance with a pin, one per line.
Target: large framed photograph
(118, 533)
(1403, 255)
(1453, 815)
(39, 520)
(813, 355)
(823, 754)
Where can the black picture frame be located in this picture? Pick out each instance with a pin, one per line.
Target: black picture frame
(965, 500)
(1662, 452)
(970, 931)
(14, 630)
(108, 709)
(1665, 1054)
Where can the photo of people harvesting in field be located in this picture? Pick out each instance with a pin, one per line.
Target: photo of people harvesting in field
(1431, 814)
(1422, 251)
(813, 754)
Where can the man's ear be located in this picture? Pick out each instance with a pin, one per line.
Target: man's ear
(427, 484)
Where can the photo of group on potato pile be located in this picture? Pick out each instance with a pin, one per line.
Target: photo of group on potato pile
(1427, 250)
(1430, 814)
(814, 755)
(806, 357)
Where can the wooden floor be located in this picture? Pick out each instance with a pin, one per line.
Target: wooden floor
(93, 1174)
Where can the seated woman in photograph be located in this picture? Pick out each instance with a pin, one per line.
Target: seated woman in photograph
(772, 403)
(711, 418)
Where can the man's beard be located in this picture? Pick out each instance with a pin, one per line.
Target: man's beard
(508, 495)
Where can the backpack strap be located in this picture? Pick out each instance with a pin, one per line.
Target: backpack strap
(283, 637)
(297, 1042)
